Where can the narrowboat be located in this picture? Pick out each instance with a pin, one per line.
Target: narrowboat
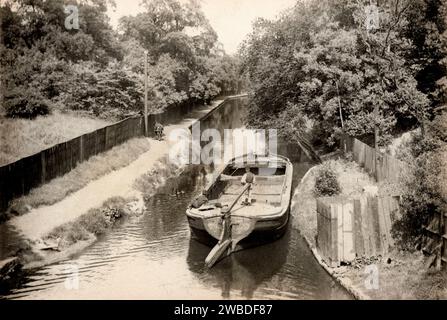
(233, 214)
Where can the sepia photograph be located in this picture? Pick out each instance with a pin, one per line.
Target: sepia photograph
(223, 150)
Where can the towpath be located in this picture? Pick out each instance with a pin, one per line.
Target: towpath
(40, 221)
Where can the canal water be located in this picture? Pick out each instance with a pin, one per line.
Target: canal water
(153, 257)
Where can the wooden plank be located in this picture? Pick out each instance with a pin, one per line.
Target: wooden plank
(320, 235)
(440, 252)
(42, 161)
(338, 213)
(371, 227)
(348, 232)
(444, 250)
(367, 160)
(326, 233)
(333, 236)
(382, 227)
(81, 148)
(387, 216)
(389, 221)
(324, 225)
(385, 168)
(365, 226)
(376, 224)
(358, 233)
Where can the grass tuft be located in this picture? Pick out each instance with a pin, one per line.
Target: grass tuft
(92, 224)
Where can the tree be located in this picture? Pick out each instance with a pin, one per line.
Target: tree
(100, 71)
(320, 58)
(426, 31)
(185, 63)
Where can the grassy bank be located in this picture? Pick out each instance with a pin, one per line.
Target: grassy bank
(87, 171)
(23, 137)
(402, 275)
(93, 223)
(74, 236)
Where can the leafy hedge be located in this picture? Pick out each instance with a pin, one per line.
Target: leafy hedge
(326, 182)
(25, 103)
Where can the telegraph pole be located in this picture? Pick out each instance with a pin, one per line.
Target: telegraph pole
(146, 129)
(341, 118)
(339, 106)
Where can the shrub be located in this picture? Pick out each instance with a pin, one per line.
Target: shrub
(423, 195)
(110, 93)
(326, 182)
(26, 104)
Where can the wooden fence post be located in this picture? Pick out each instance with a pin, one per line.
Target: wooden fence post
(441, 244)
(44, 166)
(81, 148)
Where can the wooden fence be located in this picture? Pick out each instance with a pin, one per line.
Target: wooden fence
(381, 166)
(350, 228)
(434, 241)
(18, 178)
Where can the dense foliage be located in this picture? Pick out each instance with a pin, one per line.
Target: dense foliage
(318, 64)
(98, 70)
(425, 193)
(321, 61)
(326, 182)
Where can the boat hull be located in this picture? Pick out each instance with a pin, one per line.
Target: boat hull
(265, 231)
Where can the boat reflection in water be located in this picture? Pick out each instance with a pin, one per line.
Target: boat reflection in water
(243, 272)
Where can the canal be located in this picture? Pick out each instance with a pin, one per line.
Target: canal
(153, 257)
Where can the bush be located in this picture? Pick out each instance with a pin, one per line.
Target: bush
(423, 195)
(110, 93)
(326, 182)
(26, 104)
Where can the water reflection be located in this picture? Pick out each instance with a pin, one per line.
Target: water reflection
(242, 272)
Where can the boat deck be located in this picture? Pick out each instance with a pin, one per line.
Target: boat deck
(266, 198)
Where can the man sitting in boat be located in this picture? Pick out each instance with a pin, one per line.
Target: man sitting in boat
(250, 179)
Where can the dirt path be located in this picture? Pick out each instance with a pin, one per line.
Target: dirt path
(40, 221)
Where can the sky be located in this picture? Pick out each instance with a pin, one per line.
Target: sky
(231, 19)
